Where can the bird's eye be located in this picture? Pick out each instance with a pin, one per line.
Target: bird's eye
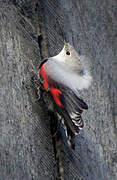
(68, 53)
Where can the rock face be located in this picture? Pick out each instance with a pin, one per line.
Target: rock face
(26, 150)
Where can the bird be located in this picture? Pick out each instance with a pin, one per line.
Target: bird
(63, 77)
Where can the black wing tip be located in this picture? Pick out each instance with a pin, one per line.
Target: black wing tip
(82, 104)
(86, 106)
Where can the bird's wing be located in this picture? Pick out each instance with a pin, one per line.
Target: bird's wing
(72, 108)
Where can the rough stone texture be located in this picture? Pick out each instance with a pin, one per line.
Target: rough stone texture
(26, 150)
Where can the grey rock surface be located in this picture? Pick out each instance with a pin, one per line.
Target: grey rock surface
(26, 150)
